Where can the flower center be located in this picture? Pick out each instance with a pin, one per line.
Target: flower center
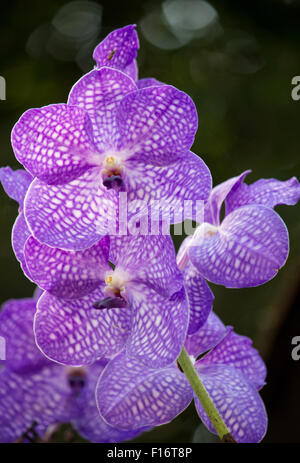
(114, 291)
(112, 174)
(115, 282)
(76, 379)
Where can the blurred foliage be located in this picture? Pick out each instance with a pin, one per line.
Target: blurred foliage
(238, 71)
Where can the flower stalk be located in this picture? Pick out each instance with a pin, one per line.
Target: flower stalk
(189, 370)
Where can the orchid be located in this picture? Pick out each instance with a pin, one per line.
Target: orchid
(110, 138)
(36, 393)
(144, 295)
(141, 303)
(130, 396)
(251, 244)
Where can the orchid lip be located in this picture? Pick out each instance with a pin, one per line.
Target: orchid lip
(114, 182)
(77, 379)
(110, 303)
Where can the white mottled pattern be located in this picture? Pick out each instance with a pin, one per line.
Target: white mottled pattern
(237, 401)
(207, 337)
(130, 395)
(19, 235)
(74, 333)
(237, 351)
(200, 297)
(247, 249)
(268, 192)
(158, 124)
(88, 421)
(67, 274)
(150, 260)
(118, 50)
(72, 216)
(15, 183)
(99, 93)
(54, 142)
(171, 187)
(159, 326)
(39, 397)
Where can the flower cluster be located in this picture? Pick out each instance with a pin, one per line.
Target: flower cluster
(98, 344)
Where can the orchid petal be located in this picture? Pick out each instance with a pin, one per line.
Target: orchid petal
(99, 93)
(156, 124)
(130, 396)
(54, 143)
(74, 333)
(247, 249)
(237, 401)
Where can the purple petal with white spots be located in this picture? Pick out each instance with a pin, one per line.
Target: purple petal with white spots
(237, 351)
(178, 190)
(200, 297)
(119, 49)
(148, 82)
(237, 401)
(88, 422)
(73, 216)
(99, 93)
(150, 260)
(130, 396)
(268, 192)
(20, 233)
(159, 326)
(132, 70)
(156, 124)
(16, 327)
(218, 195)
(15, 183)
(74, 333)
(24, 399)
(54, 143)
(247, 249)
(65, 274)
(207, 337)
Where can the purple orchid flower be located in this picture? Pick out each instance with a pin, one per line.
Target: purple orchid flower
(110, 138)
(251, 244)
(143, 297)
(130, 396)
(141, 303)
(36, 393)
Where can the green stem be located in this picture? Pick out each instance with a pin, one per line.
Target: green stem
(189, 370)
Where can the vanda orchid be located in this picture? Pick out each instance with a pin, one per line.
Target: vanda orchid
(120, 336)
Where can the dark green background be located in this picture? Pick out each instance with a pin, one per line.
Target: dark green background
(241, 83)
